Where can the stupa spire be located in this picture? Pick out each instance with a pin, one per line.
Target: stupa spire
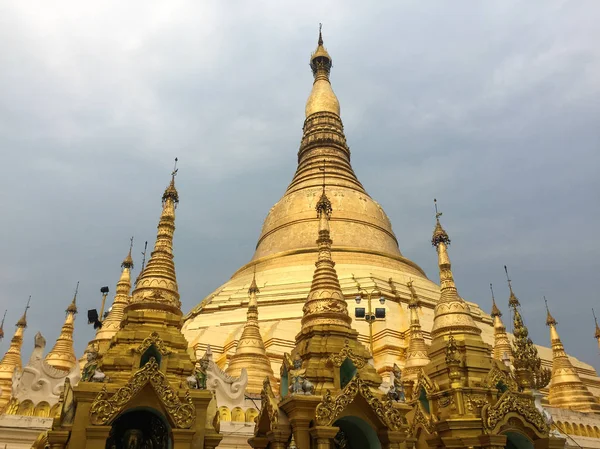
(322, 98)
(250, 352)
(12, 359)
(452, 311)
(502, 350)
(596, 334)
(526, 361)
(325, 303)
(566, 388)
(2, 326)
(112, 322)
(62, 356)
(157, 284)
(416, 356)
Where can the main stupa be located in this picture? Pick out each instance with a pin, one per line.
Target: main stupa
(366, 251)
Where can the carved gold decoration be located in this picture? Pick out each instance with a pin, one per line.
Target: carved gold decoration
(105, 408)
(511, 402)
(496, 375)
(269, 405)
(347, 353)
(424, 382)
(445, 401)
(330, 408)
(475, 401)
(153, 339)
(423, 419)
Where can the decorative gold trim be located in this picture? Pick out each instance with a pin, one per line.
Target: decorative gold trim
(330, 408)
(268, 406)
(153, 339)
(347, 353)
(423, 381)
(423, 419)
(509, 402)
(496, 375)
(104, 408)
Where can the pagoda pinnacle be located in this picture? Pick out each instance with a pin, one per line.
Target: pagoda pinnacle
(2, 326)
(12, 359)
(566, 388)
(62, 355)
(451, 311)
(112, 322)
(325, 303)
(526, 361)
(156, 286)
(417, 349)
(502, 350)
(322, 98)
(596, 334)
(250, 352)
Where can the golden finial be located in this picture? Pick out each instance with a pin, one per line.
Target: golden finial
(128, 261)
(324, 205)
(73, 307)
(2, 326)
(320, 61)
(23, 320)
(550, 321)
(495, 310)
(596, 335)
(143, 262)
(171, 191)
(253, 287)
(439, 234)
(512, 300)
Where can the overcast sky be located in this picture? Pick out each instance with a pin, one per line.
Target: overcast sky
(492, 107)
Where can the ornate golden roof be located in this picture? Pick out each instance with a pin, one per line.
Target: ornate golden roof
(322, 98)
(62, 356)
(250, 352)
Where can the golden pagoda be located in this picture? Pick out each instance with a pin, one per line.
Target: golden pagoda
(416, 355)
(566, 388)
(502, 348)
(144, 390)
(250, 352)
(12, 360)
(329, 391)
(463, 397)
(62, 356)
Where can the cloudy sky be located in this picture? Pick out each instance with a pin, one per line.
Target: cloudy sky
(492, 107)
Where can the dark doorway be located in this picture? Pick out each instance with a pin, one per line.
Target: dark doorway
(355, 433)
(139, 429)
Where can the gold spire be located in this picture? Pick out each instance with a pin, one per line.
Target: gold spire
(502, 349)
(325, 303)
(156, 286)
(112, 322)
(62, 355)
(250, 352)
(596, 334)
(451, 312)
(526, 361)
(2, 326)
(417, 349)
(566, 388)
(12, 359)
(322, 98)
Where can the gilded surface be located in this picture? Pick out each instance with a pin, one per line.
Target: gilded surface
(510, 402)
(105, 408)
(330, 408)
(496, 375)
(269, 405)
(421, 418)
